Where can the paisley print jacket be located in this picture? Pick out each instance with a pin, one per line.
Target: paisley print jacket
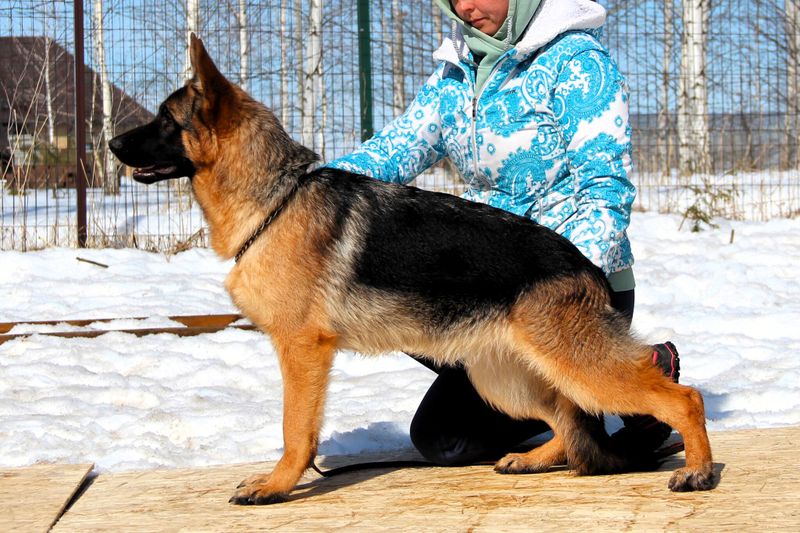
(547, 137)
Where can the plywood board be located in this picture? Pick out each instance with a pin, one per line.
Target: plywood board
(759, 489)
(33, 497)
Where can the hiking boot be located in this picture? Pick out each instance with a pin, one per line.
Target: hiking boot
(644, 430)
(666, 356)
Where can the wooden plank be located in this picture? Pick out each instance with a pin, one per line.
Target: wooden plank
(181, 331)
(187, 320)
(192, 325)
(33, 497)
(758, 491)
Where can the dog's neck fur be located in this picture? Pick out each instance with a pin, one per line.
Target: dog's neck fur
(245, 186)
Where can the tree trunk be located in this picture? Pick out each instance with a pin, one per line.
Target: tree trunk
(284, 74)
(244, 45)
(693, 128)
(192, 23)
(791, 120)
(298, 46)
(664, 121)
(319, 81)
(312, 79)
(437, 24)
(396, 50)
(110, 178)
(48, 90)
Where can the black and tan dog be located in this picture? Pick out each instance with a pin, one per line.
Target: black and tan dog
(328, 260)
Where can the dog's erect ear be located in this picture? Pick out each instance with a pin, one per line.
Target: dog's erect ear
(207, 79)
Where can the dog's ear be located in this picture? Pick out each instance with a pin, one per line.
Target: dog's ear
(207, 80)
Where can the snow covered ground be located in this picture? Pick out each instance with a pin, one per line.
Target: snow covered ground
(123, 402)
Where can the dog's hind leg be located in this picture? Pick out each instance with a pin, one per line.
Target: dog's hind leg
(579, 441)
(584, 353)
(540, 459)
(682, 408)
(305, 361)
(508, 382)
(636, 386)
(629, 387)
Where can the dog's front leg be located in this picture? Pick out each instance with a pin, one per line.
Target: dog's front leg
(305, 362)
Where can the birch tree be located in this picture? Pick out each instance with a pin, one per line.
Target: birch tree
(111, 180)
(25, 123)
(298, 58)
(313, 89)
(396, 50)
(664, 122)
(244, 44)
(437, 23)
(284, 70)
(48, 90)
(791, 158)
(693, 129)
(777, 24)
(192, 26)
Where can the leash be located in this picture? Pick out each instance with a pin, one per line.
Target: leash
(669, 450)
(370, 466)
(659, 455)
(267, 221)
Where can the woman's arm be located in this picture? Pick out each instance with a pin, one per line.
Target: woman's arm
(405, 147)
(591, 106)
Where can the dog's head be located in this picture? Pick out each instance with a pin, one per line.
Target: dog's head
(175, 143)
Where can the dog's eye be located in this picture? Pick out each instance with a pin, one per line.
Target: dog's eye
(166, 122)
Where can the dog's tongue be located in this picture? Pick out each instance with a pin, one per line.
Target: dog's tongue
(165, 170)
(155, 169)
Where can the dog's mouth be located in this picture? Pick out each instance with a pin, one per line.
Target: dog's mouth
(160, 171)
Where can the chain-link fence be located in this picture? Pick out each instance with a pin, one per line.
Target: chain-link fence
(714, 100)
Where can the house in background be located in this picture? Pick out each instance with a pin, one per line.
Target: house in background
(37, 113)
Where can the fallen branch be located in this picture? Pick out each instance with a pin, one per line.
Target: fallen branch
(84, 260)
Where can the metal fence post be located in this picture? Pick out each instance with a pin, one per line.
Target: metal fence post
(365, 70)
(80, 124)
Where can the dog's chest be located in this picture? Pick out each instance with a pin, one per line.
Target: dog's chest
(274, 294)
(252, 294)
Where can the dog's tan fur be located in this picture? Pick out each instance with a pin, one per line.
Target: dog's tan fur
(554, 356)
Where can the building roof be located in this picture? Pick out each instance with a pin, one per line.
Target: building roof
(23, 92)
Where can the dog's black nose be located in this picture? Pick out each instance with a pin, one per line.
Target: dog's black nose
(115, 144)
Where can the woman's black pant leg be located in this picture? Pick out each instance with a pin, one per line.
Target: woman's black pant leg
(623, 302)
(455, 426)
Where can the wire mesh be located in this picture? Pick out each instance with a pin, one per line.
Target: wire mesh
(135, 52)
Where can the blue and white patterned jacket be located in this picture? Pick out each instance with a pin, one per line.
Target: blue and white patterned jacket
(547, 137)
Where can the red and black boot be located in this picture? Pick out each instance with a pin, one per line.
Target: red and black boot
(643, 432)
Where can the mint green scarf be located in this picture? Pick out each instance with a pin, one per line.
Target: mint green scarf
(491, 47)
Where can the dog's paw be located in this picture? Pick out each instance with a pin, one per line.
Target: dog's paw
(255, 490)
(519, 463)
(687, 480)
(255, 479)
(256, 495)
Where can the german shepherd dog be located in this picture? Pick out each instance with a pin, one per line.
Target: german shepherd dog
(330, 260)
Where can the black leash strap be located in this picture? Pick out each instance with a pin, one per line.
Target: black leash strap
(267, 221)
(370, 465)
(662, 453)
(669, 450)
